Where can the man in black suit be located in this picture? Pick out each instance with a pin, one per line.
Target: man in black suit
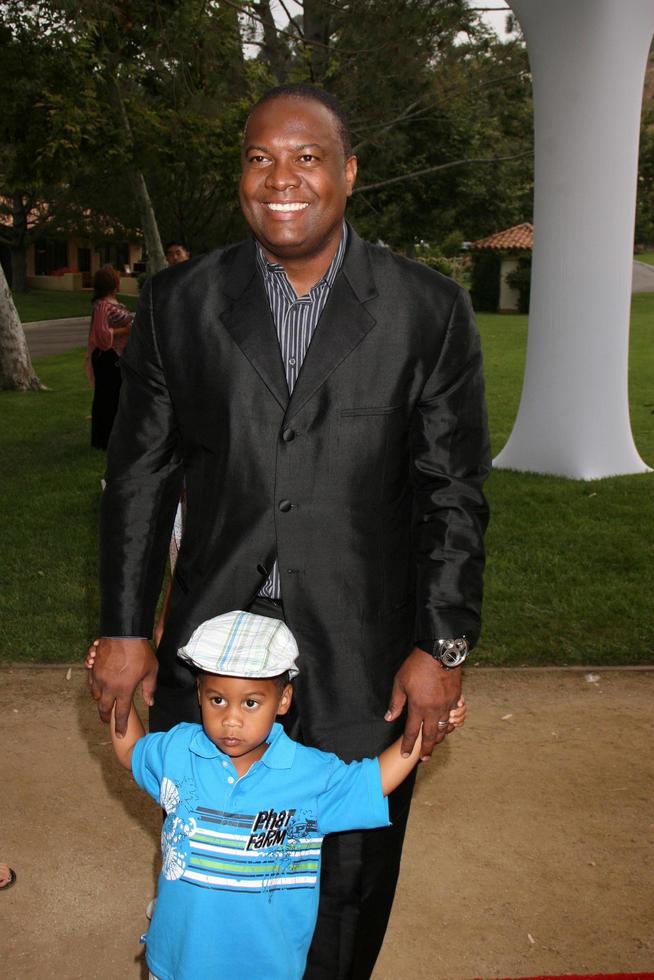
(322, 401)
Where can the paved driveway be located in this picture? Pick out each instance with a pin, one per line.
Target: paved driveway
(46, 337)
(643, 278)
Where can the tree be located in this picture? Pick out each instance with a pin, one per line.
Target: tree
(31, 193)
(16, 371)
(440, 110)
(166, 75)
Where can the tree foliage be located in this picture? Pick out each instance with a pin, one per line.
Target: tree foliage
(98, 92)
(437, 105)
(161, 88)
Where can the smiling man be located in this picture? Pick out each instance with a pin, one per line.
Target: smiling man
(324, 407)
(293, 192)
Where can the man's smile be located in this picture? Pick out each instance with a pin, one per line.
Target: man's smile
(286, 206)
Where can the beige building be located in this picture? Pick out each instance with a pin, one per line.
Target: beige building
(68, 264)
(510, 245)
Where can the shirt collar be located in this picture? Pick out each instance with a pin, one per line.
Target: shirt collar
(279, 754)
(270, 269)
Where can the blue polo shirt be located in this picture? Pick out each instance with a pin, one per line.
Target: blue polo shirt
(238, 890)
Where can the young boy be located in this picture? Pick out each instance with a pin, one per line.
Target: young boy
(246, 809)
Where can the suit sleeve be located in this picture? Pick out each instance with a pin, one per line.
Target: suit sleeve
(450, 459)
(144, 482)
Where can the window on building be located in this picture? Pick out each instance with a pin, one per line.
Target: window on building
(49, 256)
(84, 259)
(115, 254)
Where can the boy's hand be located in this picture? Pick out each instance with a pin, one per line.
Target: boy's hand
(116, 667)
(457, 716)
(90, 657)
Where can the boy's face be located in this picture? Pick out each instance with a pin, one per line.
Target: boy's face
(238, 713)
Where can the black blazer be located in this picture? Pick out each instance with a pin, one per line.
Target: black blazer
(366, 483)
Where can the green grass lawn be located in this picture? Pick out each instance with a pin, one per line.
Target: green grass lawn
(570, 562)
(645, 257)
(51, 304)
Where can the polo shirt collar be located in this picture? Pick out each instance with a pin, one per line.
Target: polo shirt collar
(279, 754)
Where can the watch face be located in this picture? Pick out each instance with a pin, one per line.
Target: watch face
(453, 652)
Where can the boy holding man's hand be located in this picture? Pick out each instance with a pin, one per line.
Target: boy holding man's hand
(246, 809)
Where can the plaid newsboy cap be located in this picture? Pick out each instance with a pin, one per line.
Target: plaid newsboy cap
(241, 644)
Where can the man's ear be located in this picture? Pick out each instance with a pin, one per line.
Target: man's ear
(285, 700)
(350, 173)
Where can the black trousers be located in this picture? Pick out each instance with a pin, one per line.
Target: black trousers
(359, 868)
(106, 371)
(357, 881)
(357, 887)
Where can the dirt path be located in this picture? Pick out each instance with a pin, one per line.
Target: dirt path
(529, 849)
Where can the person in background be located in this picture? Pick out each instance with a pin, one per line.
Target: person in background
(111, 323)
(176, 252)
(173, 552)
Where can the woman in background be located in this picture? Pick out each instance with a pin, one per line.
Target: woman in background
(110, 326)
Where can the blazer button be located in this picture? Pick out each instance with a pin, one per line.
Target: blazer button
(285, 506)
(288, 435)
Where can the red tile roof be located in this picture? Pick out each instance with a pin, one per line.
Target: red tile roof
(518, 238)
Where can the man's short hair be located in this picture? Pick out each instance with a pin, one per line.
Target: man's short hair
(304, 90)
(177, 242)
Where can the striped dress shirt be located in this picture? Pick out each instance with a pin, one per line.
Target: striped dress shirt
(296, 319)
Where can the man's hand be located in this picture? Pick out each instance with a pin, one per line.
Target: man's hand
(118, 668)
(431, 691)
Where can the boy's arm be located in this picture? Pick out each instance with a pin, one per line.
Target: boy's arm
(124, 746)
(395, 768)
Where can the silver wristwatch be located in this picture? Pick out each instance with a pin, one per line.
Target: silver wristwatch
(450, 653)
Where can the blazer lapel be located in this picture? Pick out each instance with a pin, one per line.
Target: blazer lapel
(342, 326)
(249, 321)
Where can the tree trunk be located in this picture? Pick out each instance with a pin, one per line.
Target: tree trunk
(16, 371)
(153, 246)
(18, 249)
(18, 268)
(274, 50)
(316, 33)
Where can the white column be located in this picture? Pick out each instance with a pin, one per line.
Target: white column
(588, 62)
